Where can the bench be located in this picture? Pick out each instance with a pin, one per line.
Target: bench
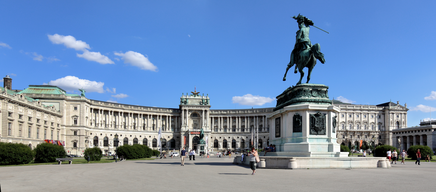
(64, 159)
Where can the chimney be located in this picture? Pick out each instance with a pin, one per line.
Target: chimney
(7, 82)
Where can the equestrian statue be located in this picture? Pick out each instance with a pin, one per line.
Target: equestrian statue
(304, 54)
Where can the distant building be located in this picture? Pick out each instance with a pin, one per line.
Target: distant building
(424, 134)
(46, 112)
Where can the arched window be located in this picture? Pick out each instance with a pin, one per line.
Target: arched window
(135, 141)
(145, 142)
(215, 143)
(398, 125)
(259, 145)
(126, 141)
(225, 144)
(164, 143)
(106, 141)
(234, 144)
(154, 142)
(116, 141)
(95, 141)
(242, 144)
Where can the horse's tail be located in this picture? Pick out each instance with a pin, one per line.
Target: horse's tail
(316, 50)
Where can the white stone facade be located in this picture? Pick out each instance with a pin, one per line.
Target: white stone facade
(84, 123)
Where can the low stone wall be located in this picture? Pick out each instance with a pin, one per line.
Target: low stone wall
(271, 162)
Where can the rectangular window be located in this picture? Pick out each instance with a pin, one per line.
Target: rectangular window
(75, 144)
(20, 116)
(9, 129)
(52, 123)
(58, 135)
(29, 132)
(45, 122)
(277, 127)
(58, 124)
(37, 120)
(75, 108)
(37, 133)
(51, 135)
(75, 121)
(30, 118)
(45, 133)
(10, 114)
(20, 130)
(75, 132)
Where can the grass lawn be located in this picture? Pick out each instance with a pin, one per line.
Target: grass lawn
(77, 160)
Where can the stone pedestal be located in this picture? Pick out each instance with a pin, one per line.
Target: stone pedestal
(304, 123)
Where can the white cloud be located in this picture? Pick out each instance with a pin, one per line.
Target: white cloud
(37, 57)
(5, 45)
(112, 101)
(137, 59)
(344, 100)
(249, 99)
(1, 80)
(113, 90)
(69, 41)
(432, 96)
(50, 59)
(120, 96)
(12, 74)
(72, 83)
(423, 108)
(95, 56)
(189, 35)
(428, 119)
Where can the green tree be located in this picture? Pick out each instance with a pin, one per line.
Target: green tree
(15, 153)
(47, 152)
(94, 154)
(425, 150)
(380, 151)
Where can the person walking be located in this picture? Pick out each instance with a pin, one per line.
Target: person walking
(418, 157)
(183, 155)
(193, 155)
(394, 157)
(253, 162)
(403, 156)
(389, 154)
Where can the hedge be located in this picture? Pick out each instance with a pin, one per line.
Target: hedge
(345, 148)
(15, 153)
(47, 152)
(135, 151)
(156, 153)
(94, 154)
(380, 151)
(425, 150)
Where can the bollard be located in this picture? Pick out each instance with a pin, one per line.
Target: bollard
(262, 163)
(382, 164)
(388, 163)
(292, 163)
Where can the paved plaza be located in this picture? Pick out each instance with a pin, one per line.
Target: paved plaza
(214, 174)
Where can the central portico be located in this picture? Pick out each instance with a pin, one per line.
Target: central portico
(195, 110)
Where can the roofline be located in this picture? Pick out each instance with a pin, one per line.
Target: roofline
(47, 86)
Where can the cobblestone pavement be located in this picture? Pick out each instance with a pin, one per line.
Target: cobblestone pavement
(213, 174)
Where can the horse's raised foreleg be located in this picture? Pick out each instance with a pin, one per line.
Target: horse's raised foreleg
(290, 64)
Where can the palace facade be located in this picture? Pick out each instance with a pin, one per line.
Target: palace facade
(45, 112)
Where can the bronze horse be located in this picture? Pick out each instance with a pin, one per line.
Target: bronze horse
(306, 58)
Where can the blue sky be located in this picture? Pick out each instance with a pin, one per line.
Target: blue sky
(150, 52)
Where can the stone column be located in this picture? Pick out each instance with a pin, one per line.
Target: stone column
(203, 119)
(421, 140)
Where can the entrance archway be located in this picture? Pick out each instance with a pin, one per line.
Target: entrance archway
(195, 141)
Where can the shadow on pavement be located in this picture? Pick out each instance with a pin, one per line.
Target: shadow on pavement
(234, 173)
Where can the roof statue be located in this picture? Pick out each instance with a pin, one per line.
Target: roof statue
(82, 92)
(304, 53)
(195, 93)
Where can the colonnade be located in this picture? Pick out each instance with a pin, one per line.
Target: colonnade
(102, 118)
